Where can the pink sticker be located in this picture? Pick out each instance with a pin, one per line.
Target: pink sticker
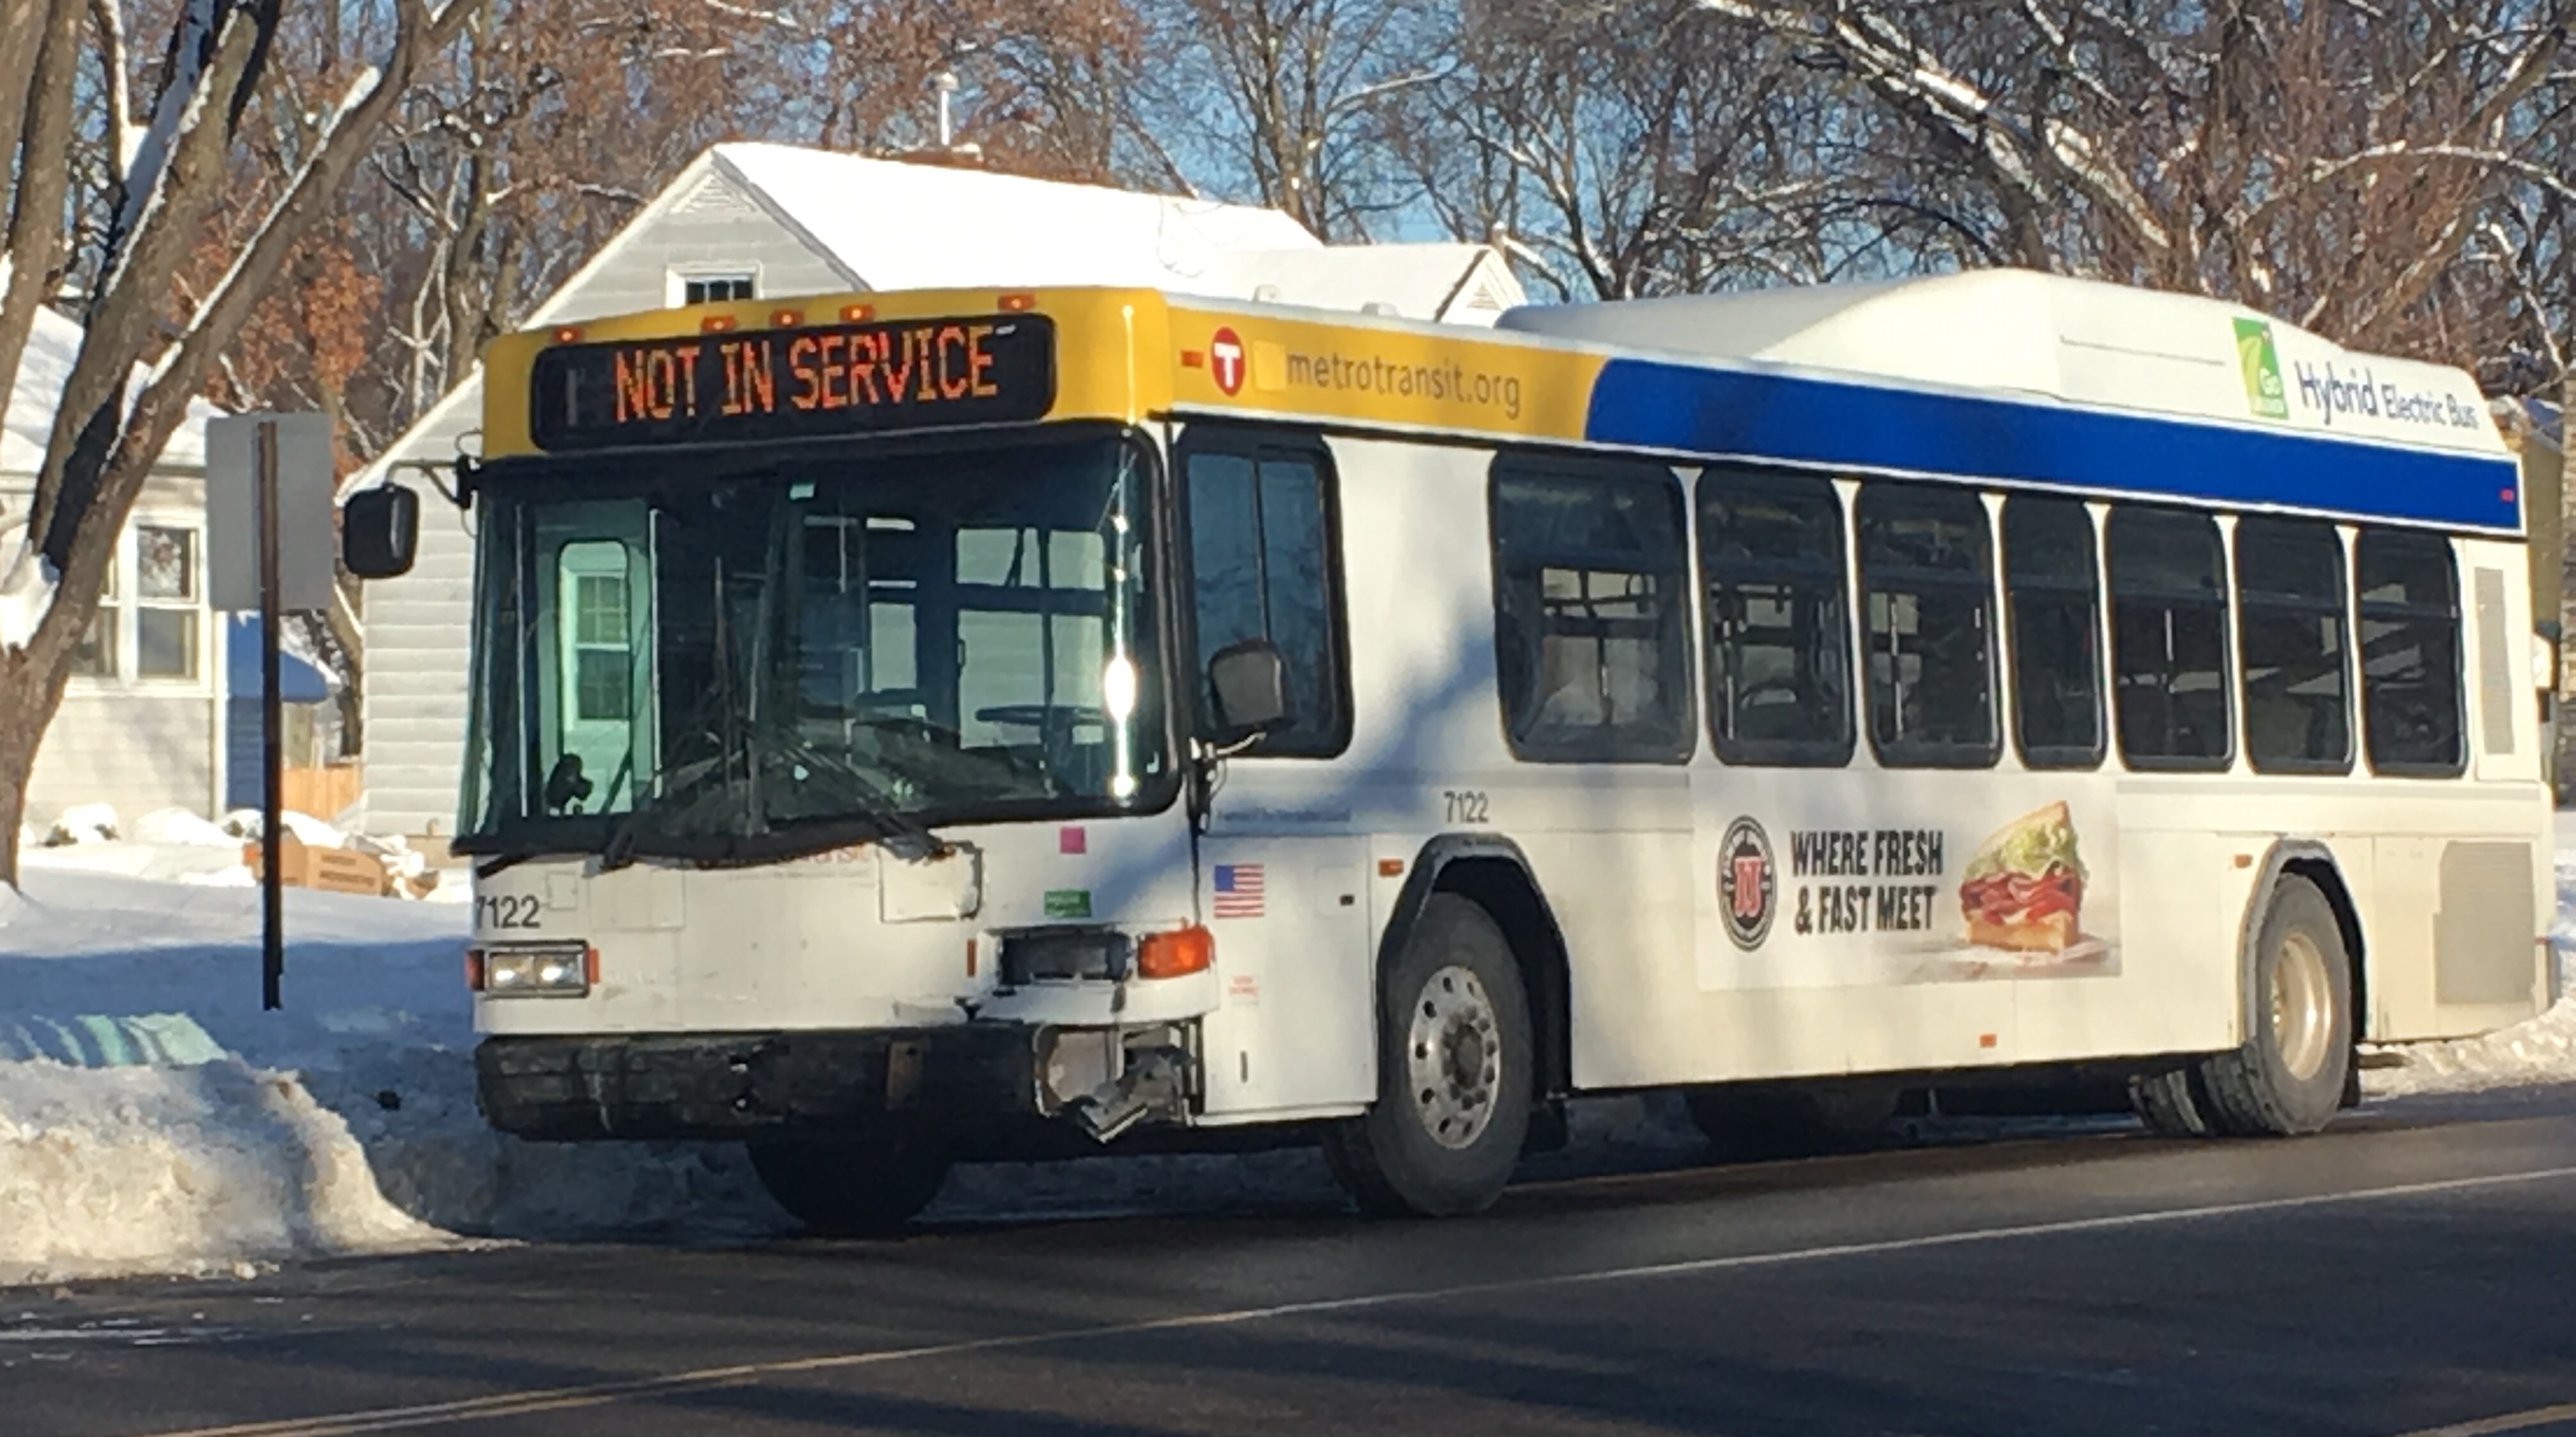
(1072, 840)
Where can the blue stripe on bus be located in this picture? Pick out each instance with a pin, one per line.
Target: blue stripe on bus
(1682, 409)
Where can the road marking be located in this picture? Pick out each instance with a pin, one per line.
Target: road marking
(2509, 1422)
(558, 1399)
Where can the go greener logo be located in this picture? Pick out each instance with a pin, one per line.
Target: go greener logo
(2261, 365)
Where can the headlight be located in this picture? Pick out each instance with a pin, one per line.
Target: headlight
(552, 971)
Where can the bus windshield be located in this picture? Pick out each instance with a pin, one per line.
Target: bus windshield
(748, 658)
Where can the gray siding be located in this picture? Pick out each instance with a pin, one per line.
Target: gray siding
(141, 745)
(417, 626)
(136, 751)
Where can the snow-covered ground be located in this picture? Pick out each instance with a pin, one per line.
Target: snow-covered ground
(153, 1119)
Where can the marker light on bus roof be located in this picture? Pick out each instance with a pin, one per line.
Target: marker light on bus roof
(566, 334)
(1018, 302)
(716, 323)
(781, 319)
(858, 313)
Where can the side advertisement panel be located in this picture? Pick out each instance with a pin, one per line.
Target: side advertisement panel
(1983, 882)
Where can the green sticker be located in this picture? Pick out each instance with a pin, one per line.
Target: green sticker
(2261, 363)
(1068, 903)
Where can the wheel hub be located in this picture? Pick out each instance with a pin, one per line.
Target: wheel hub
(2302, 1007)
(1454, 1057)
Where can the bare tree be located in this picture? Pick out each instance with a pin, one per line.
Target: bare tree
(1290, 97)
(171, 179)
(2370, 171)
(1626, 149)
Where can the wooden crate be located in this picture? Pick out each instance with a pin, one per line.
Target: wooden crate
(329, 870)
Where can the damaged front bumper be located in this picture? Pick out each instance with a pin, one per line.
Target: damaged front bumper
(590, 1087)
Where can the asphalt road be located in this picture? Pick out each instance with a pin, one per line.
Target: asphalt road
(2412, 1270)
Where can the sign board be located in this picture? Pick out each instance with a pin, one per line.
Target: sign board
(796, 383)
(307, 548)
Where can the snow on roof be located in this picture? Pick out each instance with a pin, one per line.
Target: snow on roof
(43, 369)
(900, 225)
(915, 226)
(1418, 281)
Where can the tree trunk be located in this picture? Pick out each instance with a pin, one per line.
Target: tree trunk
(31, 689)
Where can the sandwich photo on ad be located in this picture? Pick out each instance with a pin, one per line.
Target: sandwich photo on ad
(2024, 891)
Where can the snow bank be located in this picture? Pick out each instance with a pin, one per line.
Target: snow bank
(154, 1119)
(2540, 1051)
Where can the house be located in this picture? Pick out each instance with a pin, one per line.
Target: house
(141, 725)
(751, 221)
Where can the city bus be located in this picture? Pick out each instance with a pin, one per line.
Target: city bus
(913, 728)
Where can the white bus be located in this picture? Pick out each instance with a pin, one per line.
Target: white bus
(914, 728)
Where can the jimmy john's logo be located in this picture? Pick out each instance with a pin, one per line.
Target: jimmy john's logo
(1747, 883)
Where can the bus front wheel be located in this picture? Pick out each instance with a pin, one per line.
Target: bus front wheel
(1454, 1073)
(852, 1187)
(2289, 1077)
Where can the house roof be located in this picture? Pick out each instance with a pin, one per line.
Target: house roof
(913, 226)
(28, 424)
(899, 225)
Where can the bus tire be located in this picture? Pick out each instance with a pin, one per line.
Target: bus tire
(1797, 1120)
(2163, 1101)
(1454, 1073)
(2289, 1077)
(852, 1187)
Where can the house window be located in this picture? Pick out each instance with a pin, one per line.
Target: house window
(716, 288)
(165, 602)
(602, 660)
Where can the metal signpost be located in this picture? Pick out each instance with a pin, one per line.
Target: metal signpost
(269, 548)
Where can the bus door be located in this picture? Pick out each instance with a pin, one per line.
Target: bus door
(1281, 879)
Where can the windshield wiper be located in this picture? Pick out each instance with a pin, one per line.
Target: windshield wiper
(900, 835)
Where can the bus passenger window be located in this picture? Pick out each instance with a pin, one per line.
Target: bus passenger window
(2169, 639)
(2054, 594)
(1259, 532)
(2410, 652)
(1927, 603)
(1779, 662)
(2298, 706)
(1591, 613)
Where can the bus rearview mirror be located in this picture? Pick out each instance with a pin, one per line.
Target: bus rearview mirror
(379, 530)
(1249, 681)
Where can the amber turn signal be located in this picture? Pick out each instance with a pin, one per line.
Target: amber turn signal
(1176, 954)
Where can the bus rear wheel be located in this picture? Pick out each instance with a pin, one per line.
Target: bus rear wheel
(2290, 1076)
(852, 1187)
(2164, 1102)
(1454, 1073)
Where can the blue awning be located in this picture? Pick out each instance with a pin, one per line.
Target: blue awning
(297, 683)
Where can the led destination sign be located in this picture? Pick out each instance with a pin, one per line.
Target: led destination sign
(795, 383)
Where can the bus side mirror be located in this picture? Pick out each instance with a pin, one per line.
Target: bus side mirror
(1250, 684)
(379, 530)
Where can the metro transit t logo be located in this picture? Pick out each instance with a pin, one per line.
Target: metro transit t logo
(1225, 360)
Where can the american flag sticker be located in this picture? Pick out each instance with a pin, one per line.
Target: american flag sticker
(1238, 890)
